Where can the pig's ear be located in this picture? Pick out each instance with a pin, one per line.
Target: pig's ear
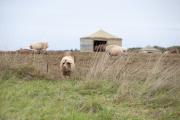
(60, 57)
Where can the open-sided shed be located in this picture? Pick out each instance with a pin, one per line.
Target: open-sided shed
(97, 41)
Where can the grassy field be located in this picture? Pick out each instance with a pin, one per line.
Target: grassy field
(132, 87)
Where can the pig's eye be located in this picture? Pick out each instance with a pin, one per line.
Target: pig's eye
(68, 63)
(63, 63)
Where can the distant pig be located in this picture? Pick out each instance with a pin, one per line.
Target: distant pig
(115, 50)
(39, 46)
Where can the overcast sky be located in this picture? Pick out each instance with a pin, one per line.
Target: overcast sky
(63, 22)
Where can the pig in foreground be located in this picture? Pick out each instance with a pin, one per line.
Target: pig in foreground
(67, 64)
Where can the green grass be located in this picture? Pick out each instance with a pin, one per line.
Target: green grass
(71, 100)
(43, 99)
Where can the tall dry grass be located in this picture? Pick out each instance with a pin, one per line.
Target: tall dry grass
(135, 74)
(139, 75)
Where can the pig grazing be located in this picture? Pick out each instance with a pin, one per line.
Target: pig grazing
(39, 46)
(114, 50)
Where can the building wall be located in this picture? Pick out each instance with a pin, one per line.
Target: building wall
(114, 42)
(86, 45)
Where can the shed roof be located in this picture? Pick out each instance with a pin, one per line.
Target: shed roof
(102, 34)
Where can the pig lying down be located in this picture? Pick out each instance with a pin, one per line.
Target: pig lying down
(67, 64)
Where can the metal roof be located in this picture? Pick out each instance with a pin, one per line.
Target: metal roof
(149, 48)
(102, 34)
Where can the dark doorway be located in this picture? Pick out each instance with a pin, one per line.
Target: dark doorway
(99, 46)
